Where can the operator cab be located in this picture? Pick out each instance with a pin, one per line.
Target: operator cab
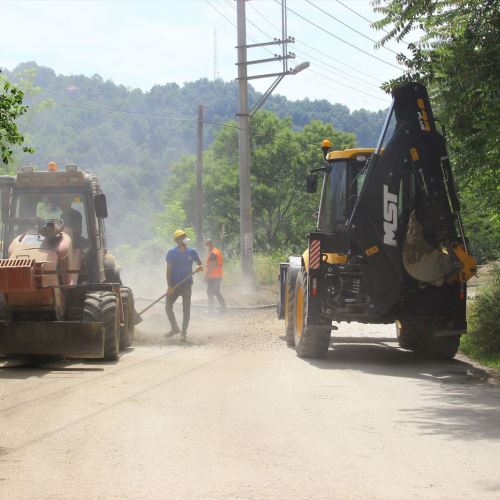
(33, 210)
(40, 209)
(342, 183)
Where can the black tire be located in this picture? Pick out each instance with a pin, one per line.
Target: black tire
(444, 347)
(426, 337)
(310, 341)
(102, 307)
(127, 329)
(289, 307)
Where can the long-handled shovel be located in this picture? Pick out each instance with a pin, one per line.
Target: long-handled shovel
(183, 280)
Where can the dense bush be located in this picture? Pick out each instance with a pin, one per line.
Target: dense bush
(483, 337)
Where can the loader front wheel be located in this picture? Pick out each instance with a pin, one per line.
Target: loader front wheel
(102, 307)
(127, 330)
(310, 341)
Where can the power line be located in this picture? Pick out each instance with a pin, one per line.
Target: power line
(313, 57)
(221, 13)
(340, 83)
(331, 79)
(357, 80)
(335, 89)
(362, 17)
(323, 64)
(252, 39)
(341, 39)
(354, 12)
(142, 115)
(326, 66)
(349, 27)
(367, 75)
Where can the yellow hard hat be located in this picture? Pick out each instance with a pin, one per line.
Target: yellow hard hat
(179, 233)
(326, 143)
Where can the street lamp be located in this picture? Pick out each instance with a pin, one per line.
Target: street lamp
(300, 67)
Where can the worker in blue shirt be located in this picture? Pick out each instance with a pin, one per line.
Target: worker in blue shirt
(180, 261)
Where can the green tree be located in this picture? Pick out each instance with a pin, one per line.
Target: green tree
(11, 108)
(280, 161)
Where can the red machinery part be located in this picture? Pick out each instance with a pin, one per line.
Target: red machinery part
(17, 274)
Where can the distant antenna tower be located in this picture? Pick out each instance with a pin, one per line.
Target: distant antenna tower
(216, 57)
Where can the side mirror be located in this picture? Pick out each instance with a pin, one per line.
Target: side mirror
(312, 183)
(100, 205)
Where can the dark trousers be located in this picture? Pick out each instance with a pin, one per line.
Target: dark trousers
(183, 291)
(213, 289)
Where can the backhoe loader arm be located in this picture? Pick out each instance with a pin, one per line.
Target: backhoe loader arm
(408, 203)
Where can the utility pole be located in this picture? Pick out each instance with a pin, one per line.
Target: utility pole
(246, 231)
(198, 215)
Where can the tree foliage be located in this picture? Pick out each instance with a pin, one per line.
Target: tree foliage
(11, 108)
(131, 139)
(483, 337)
(457, 57)
(280, 161)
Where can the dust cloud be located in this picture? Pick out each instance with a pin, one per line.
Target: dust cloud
(149, 283)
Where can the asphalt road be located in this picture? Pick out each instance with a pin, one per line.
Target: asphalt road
(234, 414)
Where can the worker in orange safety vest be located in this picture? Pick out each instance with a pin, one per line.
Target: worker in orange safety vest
(213, 274)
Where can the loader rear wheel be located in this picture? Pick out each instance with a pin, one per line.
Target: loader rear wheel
(127, 330)
(438, 341)
(444, 347)
(427, 337)
(102, 307)
(289, 308)
(310, 341)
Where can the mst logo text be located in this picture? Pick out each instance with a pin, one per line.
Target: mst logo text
(390, 217)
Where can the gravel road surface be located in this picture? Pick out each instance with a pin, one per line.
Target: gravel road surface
(234, 414)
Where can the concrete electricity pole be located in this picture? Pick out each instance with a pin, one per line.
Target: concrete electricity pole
(246, 231)
(198, 214)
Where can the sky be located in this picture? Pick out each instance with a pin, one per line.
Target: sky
(144, 43)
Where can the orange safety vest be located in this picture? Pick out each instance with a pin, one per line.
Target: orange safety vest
(216, 271)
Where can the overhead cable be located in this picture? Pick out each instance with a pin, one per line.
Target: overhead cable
(322, 63)
(341, 39)
(341, 90)
(349, 27)
(343, 84)
(142, 115)
(300, 42)
(221, 13)
(353, 79)
(363, 17)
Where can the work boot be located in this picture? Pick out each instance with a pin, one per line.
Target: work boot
(172, 332)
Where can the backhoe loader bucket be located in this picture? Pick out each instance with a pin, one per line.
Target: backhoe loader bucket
(69, 339)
